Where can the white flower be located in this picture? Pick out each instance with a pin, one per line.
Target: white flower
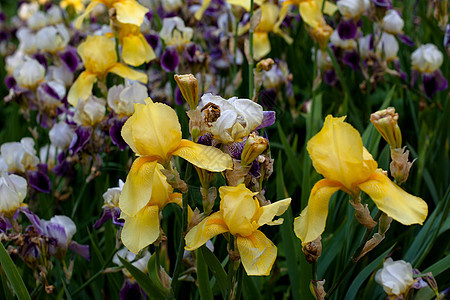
(111, 196)
(396, 277)
(54, 15)
(90, 111)
(69, 227)
(323, 59)
(351, 8)
(392, 22)
(230, 120)
(37, 20)
(13, 190)
(26, 10)
(61, 135)
(387, 47)
(30, 73)
(364, 46)
(20, 156)
(48, 155)
(129, 256)
(52, 38)
(336, 40)
(27, 40)
(174, 32)
(121, 100)
(51, 93)
(61, 74)
(171, 5)
(14, 61)
(427, 58)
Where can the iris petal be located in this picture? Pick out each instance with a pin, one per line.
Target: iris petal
(205, 230)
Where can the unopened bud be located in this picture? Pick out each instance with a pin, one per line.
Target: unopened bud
(400, 166)
(189, 88)
(384, 224)
(313, 250)
(385, 121)
(254, 146)
(208, 198)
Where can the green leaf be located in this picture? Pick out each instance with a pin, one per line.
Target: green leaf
(203, 276)
(290, 153)
(12, 274)
(152, 289)
(153, 272)
(216, 268)
(364, 274)
(439, 267)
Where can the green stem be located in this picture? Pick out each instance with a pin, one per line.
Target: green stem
(239, 283)
(180, 250)
(314, 271)
(250, 62)
(232, 267)
(234, 69)
(351, 262)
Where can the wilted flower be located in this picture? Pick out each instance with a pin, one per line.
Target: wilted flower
(61, 135)
(241, 215)
(99, 56)
(338, 154)
(13, 190)
(396, 277)
(90, 112)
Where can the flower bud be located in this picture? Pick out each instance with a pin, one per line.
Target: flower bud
(189, 88)
(400, 166)
(313, 250)
(384, 224)
(393, 22)
(385, 121)
(254, 146)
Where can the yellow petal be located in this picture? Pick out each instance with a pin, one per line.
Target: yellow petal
(137, 191)
(177, 198)
(329, 8)
(136, 50)
(311, 222)
(141, 230)
(239, 209)
(204, 157)
(242, 3)
(153, 130)
(311, 13)
(337, 153)
(257, 252)
(261, 45)
(130, 11)
(204, 231)
(268, 212)
(395, 202)
(88, 10)
(127, 72)
(201, 10)
(81, 88)
(269, 16)
(161, 191)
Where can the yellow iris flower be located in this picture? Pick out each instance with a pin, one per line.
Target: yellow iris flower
(338, 154)
(153, 132)
(242, 3)
(241, 215)
(135, 49)
(99, 56)
(142, 229)
(127, 11)
(310, 10)
(261, 43)
(77, 5)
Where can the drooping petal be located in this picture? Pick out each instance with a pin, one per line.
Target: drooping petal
(257, 252)
(136, 50)
(311, 222)
(81, 88)
(261, 45)
(205, 230)
(205, 157)
(337, 153)
(137, 191)
(86, 12)
(82, 250)
(130, 11)
(127, 72)
(142, 229)
(268, 212)
(153, 130)
(395, 202)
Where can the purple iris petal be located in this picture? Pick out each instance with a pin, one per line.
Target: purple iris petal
(351, 58)
(205, 139)
(255, 170)
(116, 220)
(41, 59)
(131, 290)
(80, 139)
(116, 136)
(58, 232)
(178, 97)
(330, 77)
(4, 36)
(189, 52)
(62, 166)
(399, 70)
(69, 58)
(152, 40)
(5, 224)
(383, 3)
(447, 36)
(39, 181)
(2, 16)
(406, 40)
(414, 77)
(347, 29)
(106, 215)
(10, 82)
(433, 83)
(268, 119)
(35, 221)
(81, 250)
(149, 15)
(235, 149)
(170, 59)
